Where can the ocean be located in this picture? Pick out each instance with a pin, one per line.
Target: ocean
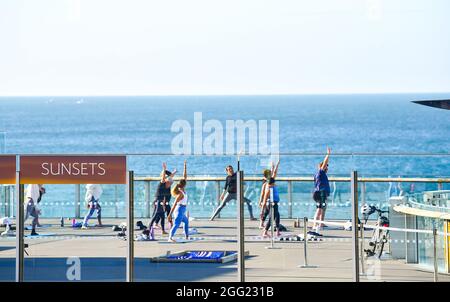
(352, 125)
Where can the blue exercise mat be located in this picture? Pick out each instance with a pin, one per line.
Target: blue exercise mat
(29, 227)
(41, 235)
(198, 255)
(179, 240)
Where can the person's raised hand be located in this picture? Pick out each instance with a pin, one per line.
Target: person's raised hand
(328, 150)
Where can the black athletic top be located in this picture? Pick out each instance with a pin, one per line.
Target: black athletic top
(162, 191)
(231, 183)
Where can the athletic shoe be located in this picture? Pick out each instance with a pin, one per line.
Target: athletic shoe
(171, 240)
(253, 219)
(33, 233)
(7, 233)
(313, 233)
(84, 227)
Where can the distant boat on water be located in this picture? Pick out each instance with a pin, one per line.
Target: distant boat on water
(441, 104)
(80, 101)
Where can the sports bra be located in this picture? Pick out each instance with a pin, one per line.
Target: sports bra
(183, 201)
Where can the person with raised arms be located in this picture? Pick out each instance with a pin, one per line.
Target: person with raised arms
(321, 193)
(267, 175)
(179, 208)
(162, 198)
(270, 200)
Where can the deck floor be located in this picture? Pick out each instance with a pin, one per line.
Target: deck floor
(102, 256)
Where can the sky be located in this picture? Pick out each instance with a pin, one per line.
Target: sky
(210, 47)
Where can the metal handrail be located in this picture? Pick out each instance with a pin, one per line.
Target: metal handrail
(308, 179)
(244, 154)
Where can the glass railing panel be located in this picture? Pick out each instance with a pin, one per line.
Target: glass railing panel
(279, 257)
(209, 251)
(7, 234)
(70, 248)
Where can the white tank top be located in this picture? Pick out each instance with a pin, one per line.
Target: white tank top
(183, 201)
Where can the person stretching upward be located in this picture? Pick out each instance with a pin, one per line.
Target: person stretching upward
(179, 208)
(321, 193)
(162, 198)
(267, 175)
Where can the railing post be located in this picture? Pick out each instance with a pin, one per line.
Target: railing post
(305, 245)
(77, 201)
(7, 201)
(305, 240)
(241, 229)
(355, 243)
(147, 199)
(435, 261)
(361, 235)
(363, 192)
(130, 226)
(116, 201)
(218, 196)
(290, 199)
(20, 245)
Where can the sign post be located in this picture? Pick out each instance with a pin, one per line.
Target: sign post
(10, 176)
(20, 232)
(130, 226)
(355, 225)
(241, 228)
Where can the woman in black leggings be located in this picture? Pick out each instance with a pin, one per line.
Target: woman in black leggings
(162, 197)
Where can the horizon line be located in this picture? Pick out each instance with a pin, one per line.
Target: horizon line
(224, 95)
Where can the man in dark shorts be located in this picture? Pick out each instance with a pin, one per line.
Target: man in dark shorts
(321, 193)
(229, 193)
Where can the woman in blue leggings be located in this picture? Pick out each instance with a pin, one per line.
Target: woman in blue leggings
(179, 208)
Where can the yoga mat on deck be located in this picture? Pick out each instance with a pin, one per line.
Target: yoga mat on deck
(29, 227)
(41, 235)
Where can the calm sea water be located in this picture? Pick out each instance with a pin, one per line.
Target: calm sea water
(347, 123)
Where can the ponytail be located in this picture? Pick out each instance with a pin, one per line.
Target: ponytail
(176, 189)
